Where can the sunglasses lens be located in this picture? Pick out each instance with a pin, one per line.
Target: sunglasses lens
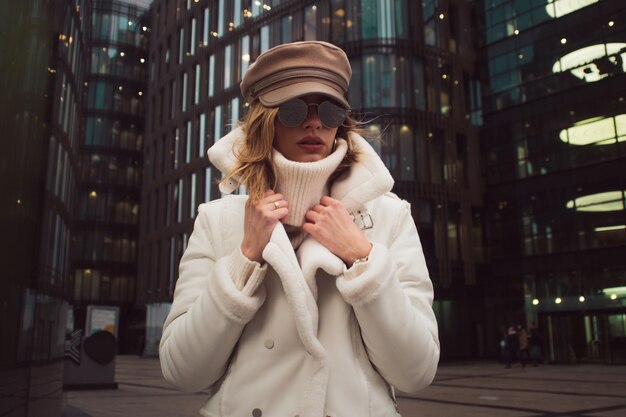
(293, 112)
(331, 115)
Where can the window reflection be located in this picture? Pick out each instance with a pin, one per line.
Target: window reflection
(606, 201)
(595, 62)
(598, 130)
(559, 8)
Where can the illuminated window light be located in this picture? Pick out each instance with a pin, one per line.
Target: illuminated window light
(559, 8)
(93, 194)
(614, 290)
(563, 41)
(130, 23)
(404, 129)
(144, 28)
(598, 130)
(140, 93)
(535, 302)
(613, 297)
(611, 23)
(516, 31)
(268, 7)
(607, 201)
(122, 54)
(19, 201)
(581, 298)
(558, 300)
(120, 88)
(142, 60)
(442, 16)
(610, 228)
(581, 62)
(340, 13)
(314, 7)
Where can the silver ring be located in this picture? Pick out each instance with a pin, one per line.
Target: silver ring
(276, 204)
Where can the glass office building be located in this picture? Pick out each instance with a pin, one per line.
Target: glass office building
(42, 70)
(105, 243)
(555, 147)
(413, 76)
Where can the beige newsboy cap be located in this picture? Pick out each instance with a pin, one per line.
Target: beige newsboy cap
(295, 69)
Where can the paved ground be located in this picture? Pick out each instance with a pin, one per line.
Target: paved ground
(483, 389)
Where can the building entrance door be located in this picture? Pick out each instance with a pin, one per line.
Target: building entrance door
(617, 337)
(565, 334)
(596, 337)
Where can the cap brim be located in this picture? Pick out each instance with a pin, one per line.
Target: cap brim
(280, 95)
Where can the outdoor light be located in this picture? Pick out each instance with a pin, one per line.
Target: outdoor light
(558, 300)
(122, 54)
(19, 201)
(613, 297)
(93, 194)
(563, 41)
(581, 298)
(516, 32)
(535, 302)
(611, 23)
(142, 60)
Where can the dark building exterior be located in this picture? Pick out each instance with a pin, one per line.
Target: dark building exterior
(42, 70)
(104, 255)
(413, 67)
(555, 146)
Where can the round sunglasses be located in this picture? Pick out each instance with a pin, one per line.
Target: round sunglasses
(295, 111)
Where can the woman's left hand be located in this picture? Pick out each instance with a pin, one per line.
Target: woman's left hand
(331, 225)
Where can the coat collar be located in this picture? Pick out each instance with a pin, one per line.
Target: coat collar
(363, 182)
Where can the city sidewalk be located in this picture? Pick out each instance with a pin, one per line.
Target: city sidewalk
(460, 390)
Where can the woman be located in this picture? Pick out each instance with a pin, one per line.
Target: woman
(311, 297)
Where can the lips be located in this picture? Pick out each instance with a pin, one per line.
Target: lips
(311, 140)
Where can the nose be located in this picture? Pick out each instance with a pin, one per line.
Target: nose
(312, 120)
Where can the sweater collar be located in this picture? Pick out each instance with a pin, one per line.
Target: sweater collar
(363, 182)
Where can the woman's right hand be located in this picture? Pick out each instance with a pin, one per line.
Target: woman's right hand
(259, 221)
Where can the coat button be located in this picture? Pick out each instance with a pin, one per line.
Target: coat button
(269, 343)
(257, 412)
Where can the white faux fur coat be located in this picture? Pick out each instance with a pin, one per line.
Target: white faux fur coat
(314, 339)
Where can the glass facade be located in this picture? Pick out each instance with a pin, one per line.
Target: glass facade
(555, 125)
(42, 74)
(417, 87)
(104, 255)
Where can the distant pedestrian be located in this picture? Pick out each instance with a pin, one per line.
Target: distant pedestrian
(535, 342)
(524, 354)
(512, 346)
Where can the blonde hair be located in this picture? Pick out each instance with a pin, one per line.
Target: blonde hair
(254, 166)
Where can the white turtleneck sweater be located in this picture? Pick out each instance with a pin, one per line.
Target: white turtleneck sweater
(302, 184)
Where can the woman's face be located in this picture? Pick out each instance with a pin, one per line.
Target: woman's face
(310, 141)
